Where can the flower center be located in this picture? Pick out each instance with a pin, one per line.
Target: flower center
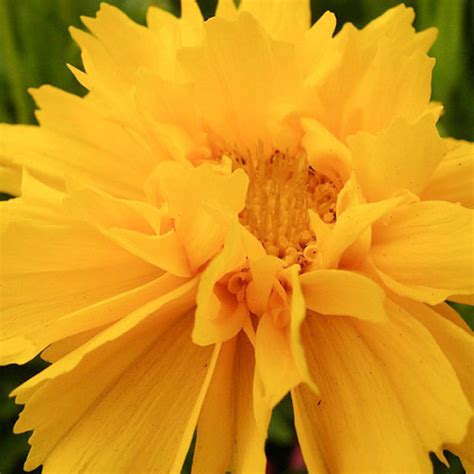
(282, 188)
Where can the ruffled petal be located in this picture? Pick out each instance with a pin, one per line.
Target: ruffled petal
(356, 423)
(169, 376)
(201, 200)
(59, 275)
(226, 9)
(325, 152)
(424, 251)
(239, 81)
(228, 439)
(389, 70)
(403, 157)
(219, 315)
(456, 342)
(279, 354)
(422, 376)
(283, 20)
(453, 179)
(136, 226)
(114, 52)
(350, 226)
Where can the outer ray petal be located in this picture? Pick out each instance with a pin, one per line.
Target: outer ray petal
(356, 407)
(285, 20)
(170, 305)
(228, 439)
(424, 251)
(226, 9)
(343, 293)
(463, 299)
(114, 52)
(403, 157)
(453, 179)
(422, 377)
(386, 52)
(169, 376)
(456, 342)
(134, 225)
(51, 270)
(50, 153)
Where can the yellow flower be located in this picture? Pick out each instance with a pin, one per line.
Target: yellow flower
(237, 209)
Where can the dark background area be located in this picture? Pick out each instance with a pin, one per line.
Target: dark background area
(34, 48)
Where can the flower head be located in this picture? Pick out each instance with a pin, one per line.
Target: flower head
(238, 209)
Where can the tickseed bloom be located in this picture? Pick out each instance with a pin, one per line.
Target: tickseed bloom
(238, 209)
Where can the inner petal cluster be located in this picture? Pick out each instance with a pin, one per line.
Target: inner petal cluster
(283, 187)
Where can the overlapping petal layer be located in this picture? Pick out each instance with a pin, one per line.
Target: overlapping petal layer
(128, 262)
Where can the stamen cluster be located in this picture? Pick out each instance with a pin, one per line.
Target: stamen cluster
(282, 188)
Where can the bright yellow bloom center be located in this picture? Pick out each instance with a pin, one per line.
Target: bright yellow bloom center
(283, 187)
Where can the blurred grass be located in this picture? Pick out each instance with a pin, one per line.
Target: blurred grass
(35, 46)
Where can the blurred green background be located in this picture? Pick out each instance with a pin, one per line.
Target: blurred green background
(35, 47)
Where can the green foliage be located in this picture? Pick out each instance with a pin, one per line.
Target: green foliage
(35, 46)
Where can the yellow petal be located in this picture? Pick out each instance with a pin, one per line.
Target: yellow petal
(325, 152)
(452, 315)
(297, 317)
(226, 9)
(453, 179)
(316, 45)
(134, 225)
(219, 316)
(200, 200)
(52, 268)
(227, 436)
(57, 350)
(410, 154)
(172, 33)
(166, 308)
(23, 338)
(192, 22)
(49, 155)
(395, 86)
(463, 299)
(129, 46)
(238, 79)
(422, 376)
(169, 376)
(351, 225)
(169, 113)
(39, 203)
(10, 178)
(456, 343)
(275, 369)
(465, 450)
(389, 70)
(264, 272)
(424, 251)
(343, 293)
(283, 19)
(279, 353)
(356, 423)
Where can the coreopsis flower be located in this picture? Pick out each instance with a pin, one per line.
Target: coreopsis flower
(237, 209)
